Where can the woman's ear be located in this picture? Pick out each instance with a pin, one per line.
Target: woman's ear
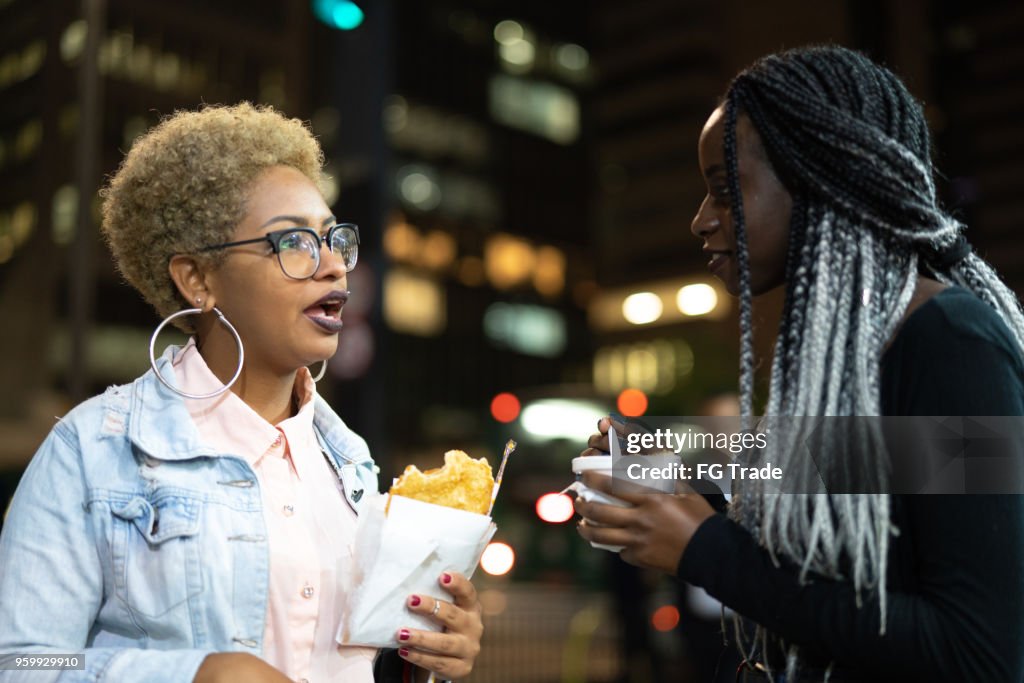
(190, 279)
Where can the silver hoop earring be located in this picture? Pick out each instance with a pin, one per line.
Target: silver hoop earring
(323, 371)
(231, 329)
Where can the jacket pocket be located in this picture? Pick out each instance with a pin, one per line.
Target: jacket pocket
(155, 553)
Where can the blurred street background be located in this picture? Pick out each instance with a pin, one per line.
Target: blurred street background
(524, 174)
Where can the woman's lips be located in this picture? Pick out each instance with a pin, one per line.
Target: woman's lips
(718, 261)
(332, 325)
(327, 321)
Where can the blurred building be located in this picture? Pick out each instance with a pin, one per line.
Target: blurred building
(524, 174)
(481, 233)
(79, 81)
(976, 79)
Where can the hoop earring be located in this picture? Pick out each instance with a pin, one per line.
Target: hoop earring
(231, 329)
(323, 371)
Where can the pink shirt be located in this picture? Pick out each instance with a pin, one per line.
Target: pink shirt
(310, 527)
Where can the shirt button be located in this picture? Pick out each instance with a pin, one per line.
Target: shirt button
(303, 680)
(289, 510)
(277, 441)
(307, 591)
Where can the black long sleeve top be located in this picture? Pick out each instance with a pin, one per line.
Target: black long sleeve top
(956, 571)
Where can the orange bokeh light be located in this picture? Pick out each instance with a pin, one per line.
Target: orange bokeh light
(498, 559)
(632, 402)
(665, 618)
(505, 407)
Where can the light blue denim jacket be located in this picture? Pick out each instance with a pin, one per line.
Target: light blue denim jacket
(130, 541)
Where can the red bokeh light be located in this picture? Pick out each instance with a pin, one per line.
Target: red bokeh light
(505, 407)
(632, 402)
(665, 618)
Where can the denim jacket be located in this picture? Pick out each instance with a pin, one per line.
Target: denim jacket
(132, 543)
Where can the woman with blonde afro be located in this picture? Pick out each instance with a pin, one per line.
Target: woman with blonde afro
(196, 524)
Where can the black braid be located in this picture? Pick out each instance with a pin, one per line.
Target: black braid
(810, 103)
(742, 261)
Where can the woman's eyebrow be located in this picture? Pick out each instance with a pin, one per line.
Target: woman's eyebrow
(300, 220)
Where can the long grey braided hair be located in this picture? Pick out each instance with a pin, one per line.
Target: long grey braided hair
(852, 147)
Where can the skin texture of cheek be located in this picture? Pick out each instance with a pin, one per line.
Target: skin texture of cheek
(249, 302)
(766, 219)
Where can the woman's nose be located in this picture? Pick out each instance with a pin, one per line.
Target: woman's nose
(705, 223)
(331, 265)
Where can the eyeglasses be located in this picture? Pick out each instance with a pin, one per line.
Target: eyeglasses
(298, 249)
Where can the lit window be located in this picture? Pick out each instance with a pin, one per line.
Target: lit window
(549, 275)
(509, 261)
(414, 304)
(65, 214)
(533, 330)
(72, 41)
(556, 418)
(23, 222)
(32, 58)
(508, 32)
(642, 308)
(418, 187)
(28, 139)
(543, 109)
(167, 74)
(696, 299)
(401, 241)
(438, 250)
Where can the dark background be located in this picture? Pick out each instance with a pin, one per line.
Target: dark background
(507, 208)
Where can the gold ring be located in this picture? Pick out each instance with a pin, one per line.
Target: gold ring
(437, 607)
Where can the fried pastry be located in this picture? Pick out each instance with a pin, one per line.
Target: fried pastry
(463, 483)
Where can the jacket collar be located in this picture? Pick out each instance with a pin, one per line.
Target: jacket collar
(159, 423)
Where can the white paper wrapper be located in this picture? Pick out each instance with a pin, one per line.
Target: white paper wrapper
(589, 495)
(401, 554)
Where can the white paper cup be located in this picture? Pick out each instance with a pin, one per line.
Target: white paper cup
(603, 465)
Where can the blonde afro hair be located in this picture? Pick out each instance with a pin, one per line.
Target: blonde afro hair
(184, 184)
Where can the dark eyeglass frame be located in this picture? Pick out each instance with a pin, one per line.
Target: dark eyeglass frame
(275, 236)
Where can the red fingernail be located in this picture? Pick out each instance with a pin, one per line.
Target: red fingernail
(404, 634)
(403, 652)
(415, 601)
(446, 578)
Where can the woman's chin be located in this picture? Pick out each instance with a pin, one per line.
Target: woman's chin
(757, 287)
(324, 350)
(731, 285)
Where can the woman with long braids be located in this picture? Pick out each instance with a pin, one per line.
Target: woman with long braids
(198, 523)
(820, 179)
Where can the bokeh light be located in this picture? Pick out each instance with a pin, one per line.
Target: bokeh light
(632, 402)
(344, 15)
(498, 559)
(696, 299)
(505, 407)
(642, 308)
(555, 508)
(665, 618)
